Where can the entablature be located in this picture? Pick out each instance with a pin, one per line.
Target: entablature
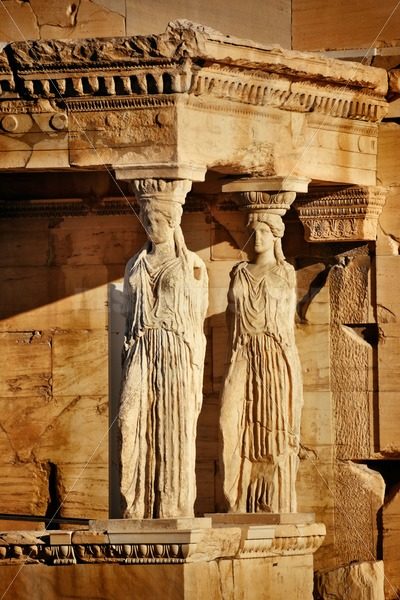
(187, 101)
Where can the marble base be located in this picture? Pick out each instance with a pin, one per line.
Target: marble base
(221, 557)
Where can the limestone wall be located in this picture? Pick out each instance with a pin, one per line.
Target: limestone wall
(388, 379)
(62, 258)
(267, 23)
(321, 25)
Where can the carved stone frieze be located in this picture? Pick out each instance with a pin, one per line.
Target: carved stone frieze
(166, 546)
(7, 84)
(347, 214)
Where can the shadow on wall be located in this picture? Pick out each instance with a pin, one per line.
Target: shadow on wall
(62, 273)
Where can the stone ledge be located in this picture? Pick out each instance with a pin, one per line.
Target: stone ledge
(155, 542)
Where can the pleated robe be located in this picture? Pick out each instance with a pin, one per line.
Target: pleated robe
(162, 381)
(262, 393)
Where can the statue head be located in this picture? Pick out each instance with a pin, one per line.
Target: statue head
(162, 222)
(268, 229)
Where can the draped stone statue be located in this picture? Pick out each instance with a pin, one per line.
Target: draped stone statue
(166, 300)
(262, 394)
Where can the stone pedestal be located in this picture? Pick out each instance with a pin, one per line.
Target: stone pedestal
(255, 557)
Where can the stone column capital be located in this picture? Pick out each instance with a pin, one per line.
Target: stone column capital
(341, 214)
(162, 190)
(267, 194)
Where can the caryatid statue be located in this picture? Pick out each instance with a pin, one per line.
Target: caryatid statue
(166, 300)
(262, 393)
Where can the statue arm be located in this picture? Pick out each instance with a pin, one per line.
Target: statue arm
(201, 277)
(292, 299)
(293, 295)
(230, 310)
(127, 308)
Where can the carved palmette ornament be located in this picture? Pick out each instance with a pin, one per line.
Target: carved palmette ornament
(131, 553)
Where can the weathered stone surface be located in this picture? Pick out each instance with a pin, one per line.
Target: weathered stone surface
(76, 443)
(135, 526)
(75, 355)
(352, 356)
(85, 308)
(27, 491)
(25, 420)
(313, 342)
(62, 19)
(387, 166)
(359, 493)
(313, 306)
(388, 357)
(88, 18)
(219, 284)
(282, 578)
(359, 581)
(27, 368)
(317, 428)
(113, 85)
(18, 21)
(252, 576)
(388, 288)
(390, 223)
(391, 530)
(389, 416)
(350, 288)
(246, 109)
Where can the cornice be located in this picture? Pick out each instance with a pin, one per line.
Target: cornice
(104, 73)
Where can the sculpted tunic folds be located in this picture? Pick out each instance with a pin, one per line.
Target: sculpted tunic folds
(262, 396)
(162, 384)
